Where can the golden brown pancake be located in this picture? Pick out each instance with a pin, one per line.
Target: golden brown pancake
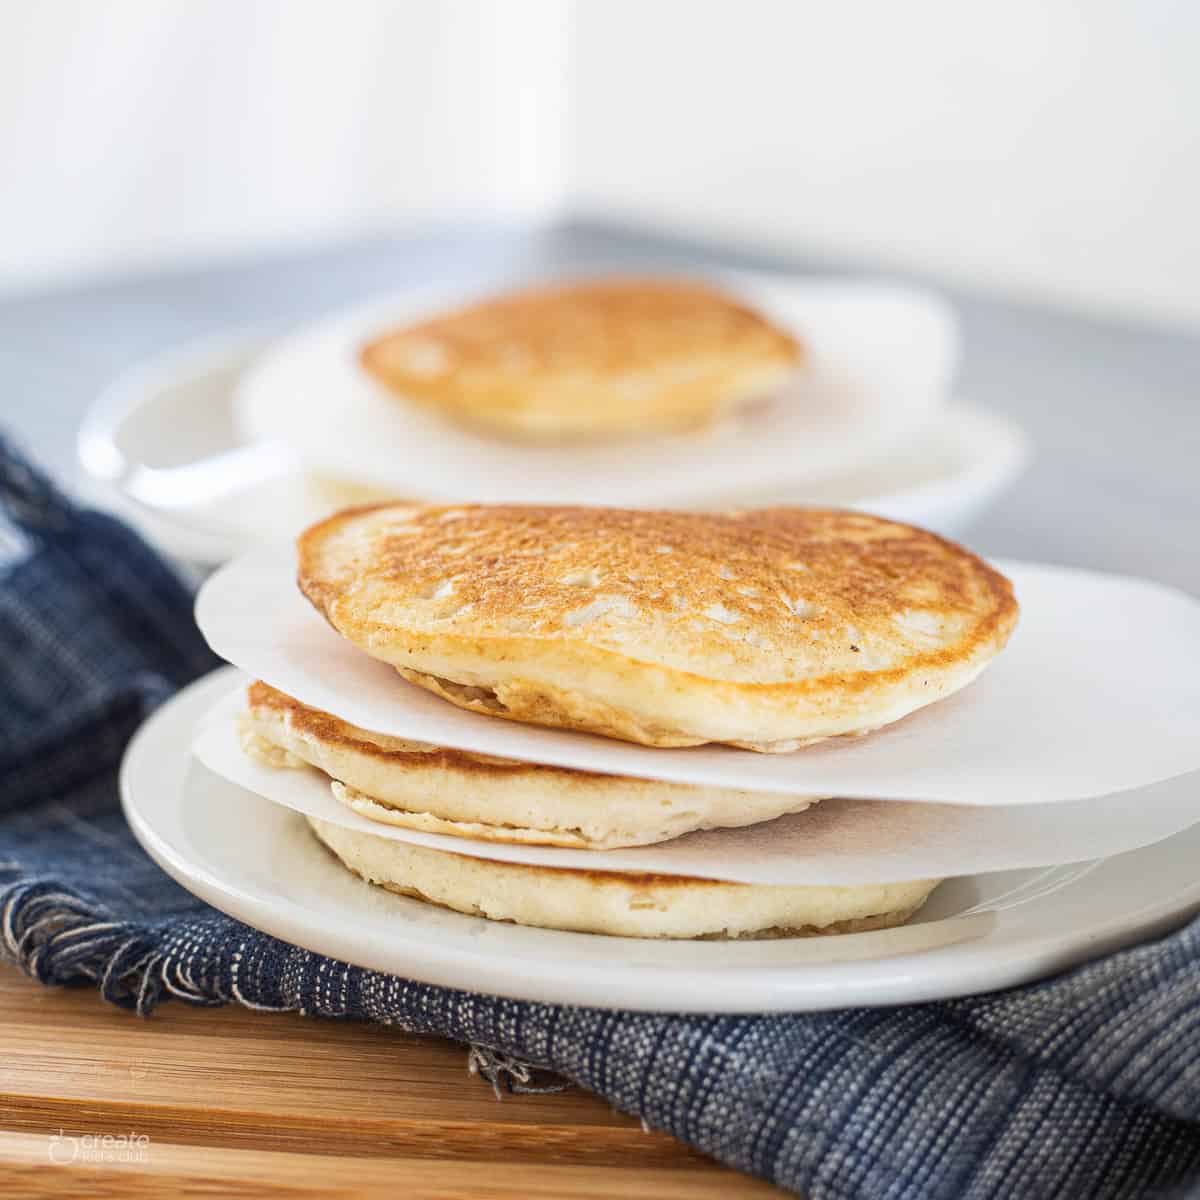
(606, 902)
(766, 629)
(595, 358)
(463, 794)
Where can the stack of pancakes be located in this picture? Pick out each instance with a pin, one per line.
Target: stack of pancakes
(765, 630)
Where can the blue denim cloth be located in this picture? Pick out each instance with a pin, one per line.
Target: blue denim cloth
(1087, 1085)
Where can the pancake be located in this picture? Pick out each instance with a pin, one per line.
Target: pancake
(767, 629)
(463, 794)
(588, 359)
(646, 906)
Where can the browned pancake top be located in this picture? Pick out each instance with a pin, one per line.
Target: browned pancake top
(603, 327)
(763, 596)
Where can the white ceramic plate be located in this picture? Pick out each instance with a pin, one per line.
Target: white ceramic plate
(257, 862)
(161, 447)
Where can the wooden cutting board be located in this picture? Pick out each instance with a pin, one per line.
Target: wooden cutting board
(226, 1102)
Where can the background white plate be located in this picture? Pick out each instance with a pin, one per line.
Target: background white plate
(257, 862)
(158, 445)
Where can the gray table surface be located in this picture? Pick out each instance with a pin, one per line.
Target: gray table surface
(1113, 408)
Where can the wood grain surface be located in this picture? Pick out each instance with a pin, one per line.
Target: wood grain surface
(219, 1102)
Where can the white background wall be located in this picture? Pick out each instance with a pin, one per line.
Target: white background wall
(1045, 146)
(140, 131)
(1048, 147)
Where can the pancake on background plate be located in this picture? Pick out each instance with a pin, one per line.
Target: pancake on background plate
(599, 358)
(649, 906)
(457, 792)
(766, 629)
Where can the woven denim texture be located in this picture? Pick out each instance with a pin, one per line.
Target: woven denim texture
(1087, 1085)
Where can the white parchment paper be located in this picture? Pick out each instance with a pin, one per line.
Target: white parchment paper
(879, 360)
(835, 842)
(1097, 692)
